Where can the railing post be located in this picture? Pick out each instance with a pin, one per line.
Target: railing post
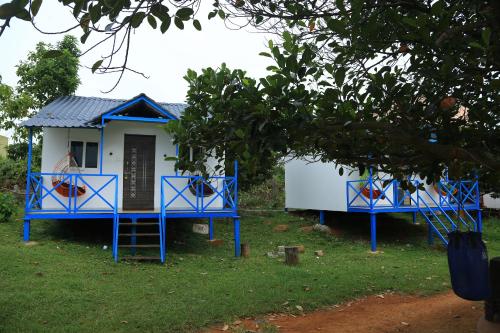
(371, 188)
(101, 148)
(236, 185)
(28, 175)
(27, 221)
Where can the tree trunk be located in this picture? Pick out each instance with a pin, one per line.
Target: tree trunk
(291, 255)
(245, 250)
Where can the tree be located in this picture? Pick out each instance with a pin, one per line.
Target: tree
(42, 78)
(403, 86)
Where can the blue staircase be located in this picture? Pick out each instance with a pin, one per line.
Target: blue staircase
(139, 236)
(447, 214)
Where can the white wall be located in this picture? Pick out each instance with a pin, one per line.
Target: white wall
(56, 146)
(490, 202)
(319, 186)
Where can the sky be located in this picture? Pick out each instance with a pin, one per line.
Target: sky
(164, 58)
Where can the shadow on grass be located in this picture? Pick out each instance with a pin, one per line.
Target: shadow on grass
(391, 228)
(100, 231)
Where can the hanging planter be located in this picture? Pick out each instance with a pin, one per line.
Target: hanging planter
(207, 189)
(444, 193)
(365, 188)
(61, 182)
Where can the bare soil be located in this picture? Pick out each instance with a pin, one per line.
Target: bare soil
(389, 313)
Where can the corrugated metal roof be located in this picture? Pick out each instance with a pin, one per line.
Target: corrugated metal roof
(79, 111)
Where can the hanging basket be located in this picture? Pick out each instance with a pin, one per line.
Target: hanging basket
(376, 193)
(207, 189)
(443, 193)
(66, 165)
(66, 190)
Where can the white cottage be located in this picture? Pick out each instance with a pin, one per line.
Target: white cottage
(108, 158)
(445, 206)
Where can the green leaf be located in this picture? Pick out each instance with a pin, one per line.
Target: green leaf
(96, 65)
(341, 171)
(95, 14)
(84, 37)
(485, 35)
(35, 6)
(197, 25)
(184, 13)
(171, 158)
(178, 22)
(239, 133)
(340, 76)
(8, 10)
(52, 54)
(152, 21)
(212, 14)
(221, 13)
(137, 19)
(165, 24)
(24, 15)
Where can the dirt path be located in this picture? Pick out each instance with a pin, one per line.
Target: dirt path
(443, 313)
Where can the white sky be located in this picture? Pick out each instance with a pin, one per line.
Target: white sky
(164, 58)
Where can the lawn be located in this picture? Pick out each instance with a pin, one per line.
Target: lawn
(68, 282)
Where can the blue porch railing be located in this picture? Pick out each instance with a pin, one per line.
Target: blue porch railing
(189, 194)
(101, 193)
(373, 194)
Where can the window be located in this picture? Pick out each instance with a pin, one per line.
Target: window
(89, 150)
(77, 152)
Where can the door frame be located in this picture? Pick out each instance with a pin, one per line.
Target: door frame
(153, 189)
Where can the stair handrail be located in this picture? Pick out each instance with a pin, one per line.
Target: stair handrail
(434, 201)
(460, 206)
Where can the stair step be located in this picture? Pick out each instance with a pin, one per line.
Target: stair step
(140, 224)
(139, 245)
(140, 258)
(141, 234)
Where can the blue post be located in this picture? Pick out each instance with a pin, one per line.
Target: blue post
(101, 148)
(371, 188)
(235, 185)
(27, 222)
(430, 235)
(164, 236)
(414, 217)
(133, 238)
(26, 230)
(237, 246)
(321, 217)
(211, 228)
(116, 221)
(373, 231)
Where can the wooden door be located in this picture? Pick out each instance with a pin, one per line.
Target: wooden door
(139, 172)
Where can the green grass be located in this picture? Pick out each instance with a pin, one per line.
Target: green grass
(67, 282)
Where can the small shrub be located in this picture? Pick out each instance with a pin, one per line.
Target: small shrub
(12, 173)
(8, 206)
(267, 195)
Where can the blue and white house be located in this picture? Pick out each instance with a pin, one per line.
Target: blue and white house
(445, 206)
(108, 159)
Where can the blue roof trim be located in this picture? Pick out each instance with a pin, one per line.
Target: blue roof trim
(85, 112)
(135, 100)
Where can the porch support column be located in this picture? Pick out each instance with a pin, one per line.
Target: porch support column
(373, 232)
(101, 148)
(430, 235)
(133, 238)
(321, 217)
(116, 222)
(211, 228)
(414, 217)
(26, 228)
(237, 246)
